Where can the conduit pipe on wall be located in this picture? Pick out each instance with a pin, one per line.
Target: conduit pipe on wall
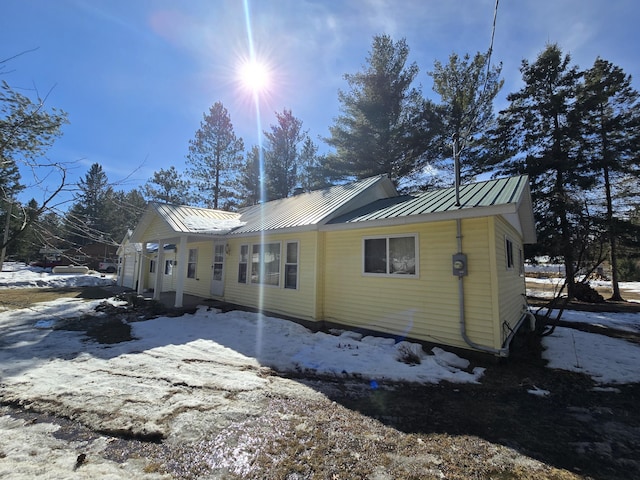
(501, 352)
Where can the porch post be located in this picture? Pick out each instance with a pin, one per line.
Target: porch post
(182, 271)
(141, 268)
(159, 271)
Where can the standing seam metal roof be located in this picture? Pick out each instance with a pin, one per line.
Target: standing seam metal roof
(186, 219)
(301, 210)
(482, 194)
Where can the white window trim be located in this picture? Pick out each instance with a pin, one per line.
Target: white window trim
(413, 276)
(250, 263)
(520, 262)
(297, 264)
(246, 264)
(509, 257)
(195, 263)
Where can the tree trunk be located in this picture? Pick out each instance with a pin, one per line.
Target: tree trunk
(616, 296)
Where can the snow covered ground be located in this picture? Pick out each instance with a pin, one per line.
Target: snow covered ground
(166, 382)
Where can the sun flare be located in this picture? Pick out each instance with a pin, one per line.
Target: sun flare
(254, 76)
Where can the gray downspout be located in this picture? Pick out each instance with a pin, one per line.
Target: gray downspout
(501, 352)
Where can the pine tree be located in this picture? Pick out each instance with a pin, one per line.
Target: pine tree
(250, 179)
(27, 130)
(282, 155)
(168, 186)
(467, 89)
(537, 134)
(313, 175)
(610, 119)
(87, 219)
(215, 156)
(385, 126)
(125, 210)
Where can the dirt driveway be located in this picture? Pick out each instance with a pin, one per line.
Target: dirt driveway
(289, 427)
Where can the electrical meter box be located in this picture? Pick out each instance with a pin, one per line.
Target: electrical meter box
(459, 264)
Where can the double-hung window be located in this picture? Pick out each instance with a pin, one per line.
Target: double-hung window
(265, 264)
(242, 263)
(391, 255)
(291, 266)
(191, 264)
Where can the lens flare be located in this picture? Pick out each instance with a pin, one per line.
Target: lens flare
(254, 76)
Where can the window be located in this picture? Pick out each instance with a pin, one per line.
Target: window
(242, 263)
(390, 255)
(168, 267)
(191, 264)
(265, 264)
(520, 263)
(508, 247)
(152, 266)
(291, 266)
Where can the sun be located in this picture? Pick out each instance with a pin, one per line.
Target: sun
(254, 76)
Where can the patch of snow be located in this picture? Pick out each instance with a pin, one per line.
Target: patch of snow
(211, 225)
(539, 392)
(605, 359)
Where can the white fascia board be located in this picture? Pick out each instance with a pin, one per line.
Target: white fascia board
(275, 231)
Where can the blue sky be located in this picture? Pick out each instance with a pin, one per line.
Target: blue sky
(136, 76)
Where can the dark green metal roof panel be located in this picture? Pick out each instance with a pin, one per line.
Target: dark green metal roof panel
(489, 193)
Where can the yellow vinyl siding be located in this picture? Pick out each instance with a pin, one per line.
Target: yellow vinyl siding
(480, 311)
(201, 285)
(158, 229)
(511, 283)
(300, 302)
(426, 307)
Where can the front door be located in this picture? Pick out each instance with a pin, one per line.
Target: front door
(217, 269)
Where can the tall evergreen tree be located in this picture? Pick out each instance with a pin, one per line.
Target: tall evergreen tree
(168, 186)
(610, 121)
(250, 179)
(282, 154)
(87, 219)
(28, 244)
(215, 156)
(125, 210)
(467, 89)
(385, 126)
(313, 175)
(537, 135)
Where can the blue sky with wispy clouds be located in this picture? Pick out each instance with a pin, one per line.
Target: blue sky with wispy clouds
(136, 76)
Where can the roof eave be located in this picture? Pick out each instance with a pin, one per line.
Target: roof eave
(462, 213)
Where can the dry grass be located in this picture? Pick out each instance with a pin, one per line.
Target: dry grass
(15, 298)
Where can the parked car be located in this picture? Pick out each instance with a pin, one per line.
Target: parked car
(109, 265)
(49, 263)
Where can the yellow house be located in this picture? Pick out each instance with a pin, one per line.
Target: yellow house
(443, 266)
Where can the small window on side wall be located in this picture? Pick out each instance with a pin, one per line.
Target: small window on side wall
(508, 249)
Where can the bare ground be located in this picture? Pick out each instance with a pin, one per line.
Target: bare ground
(357, 430)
